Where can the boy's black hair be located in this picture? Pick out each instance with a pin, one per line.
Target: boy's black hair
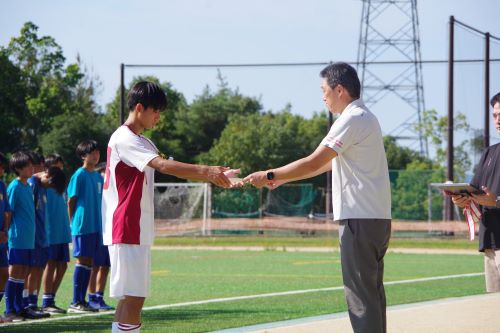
(52, 159)
(36, 158)
(343, 74)
(4, 162)
(495, 99)
(57, 179)
(19, 160)
(85, 148)
(149, 94)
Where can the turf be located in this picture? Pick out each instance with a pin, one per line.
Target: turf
(192, 275)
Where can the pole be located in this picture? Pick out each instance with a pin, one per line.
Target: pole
(449, 203)
(487, 90)
(122, 93)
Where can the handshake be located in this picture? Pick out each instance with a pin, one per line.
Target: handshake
(228, 178)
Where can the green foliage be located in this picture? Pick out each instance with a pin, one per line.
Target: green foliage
(435, 128)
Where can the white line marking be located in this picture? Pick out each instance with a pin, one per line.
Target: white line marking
(239, 298)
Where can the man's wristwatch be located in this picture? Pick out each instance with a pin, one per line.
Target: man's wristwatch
(270, 175)
(497, 203)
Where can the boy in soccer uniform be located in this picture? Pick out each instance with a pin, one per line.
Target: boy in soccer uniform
(4, 227)
(39, 253)
(58, 234)
(127, 204)
(100, 268)
(21, 237)
(84, 206)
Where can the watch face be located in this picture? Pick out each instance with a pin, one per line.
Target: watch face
(270, 175)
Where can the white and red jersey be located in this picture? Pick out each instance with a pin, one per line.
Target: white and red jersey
(127, 199)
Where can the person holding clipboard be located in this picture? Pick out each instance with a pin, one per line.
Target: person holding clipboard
(487, 179)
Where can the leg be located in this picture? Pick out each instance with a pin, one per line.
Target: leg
(492, 270)
(363, 244)
(129, 310)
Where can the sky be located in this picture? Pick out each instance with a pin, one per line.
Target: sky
(108, 33)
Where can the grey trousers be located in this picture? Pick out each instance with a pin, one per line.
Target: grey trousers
(363, 244)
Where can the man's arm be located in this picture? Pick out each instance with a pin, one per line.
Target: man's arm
(316, 163)
(213, 174)
(5, 232)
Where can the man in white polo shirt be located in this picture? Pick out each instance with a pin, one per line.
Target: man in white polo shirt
(354, 151)
(127, 201)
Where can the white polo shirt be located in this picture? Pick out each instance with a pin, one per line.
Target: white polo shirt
(360, 176)
(127, 199)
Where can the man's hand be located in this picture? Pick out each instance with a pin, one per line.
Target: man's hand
(460, 200)
(487, 199)
(216, 175)
(257, 179)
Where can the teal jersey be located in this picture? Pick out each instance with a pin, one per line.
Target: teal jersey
(56, 218)
(87, 188)
(22, 225)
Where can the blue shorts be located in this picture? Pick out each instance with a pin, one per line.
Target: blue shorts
(59, 252)
(39, 256)
(101, 257)
(20, 257)
(4, 262)
(86, 245)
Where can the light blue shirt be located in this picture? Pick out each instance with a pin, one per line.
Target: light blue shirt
(40, 198)
(22, 226)
(87, 188)
(56, 218)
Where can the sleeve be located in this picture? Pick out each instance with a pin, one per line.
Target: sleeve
(476, 180)
(342, 135)
(73, 185)
(11, 195)
(136, 151)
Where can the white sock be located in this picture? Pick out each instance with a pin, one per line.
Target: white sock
(117, 327)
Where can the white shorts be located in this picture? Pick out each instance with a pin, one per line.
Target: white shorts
(130, 270)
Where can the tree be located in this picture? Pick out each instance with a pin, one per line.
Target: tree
(399, 157)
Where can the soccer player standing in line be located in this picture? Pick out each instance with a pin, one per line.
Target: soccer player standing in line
(128, 206)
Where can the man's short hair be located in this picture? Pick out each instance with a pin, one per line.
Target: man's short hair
(343, 74)
(57, 179)
(19, 160)
(36, 158)
(495, 99)
(86, 147)
(149, 94)
(52, 159)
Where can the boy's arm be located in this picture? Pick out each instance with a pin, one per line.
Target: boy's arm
(5, 232)
(213, 174)
(71, 207)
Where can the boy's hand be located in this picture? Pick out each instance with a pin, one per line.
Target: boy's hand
(216, 176)
(4, 237)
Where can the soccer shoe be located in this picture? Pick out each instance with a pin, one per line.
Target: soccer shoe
(11, 317)
(53, 309)
(81, 307)
(39, 311)
(102, 306)
(29, 313)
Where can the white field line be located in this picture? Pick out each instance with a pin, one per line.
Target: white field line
(239, 298)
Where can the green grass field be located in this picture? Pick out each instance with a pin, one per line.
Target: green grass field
(181, 276)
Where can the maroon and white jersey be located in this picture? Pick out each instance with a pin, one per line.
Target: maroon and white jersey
(127, 199)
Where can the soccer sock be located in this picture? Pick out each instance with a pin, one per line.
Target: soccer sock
(78, 278)
(117, 327)
(11, 293)
(92, 298)
(85, 282)
(25, 296)
(33, 299)
(18, 298)
(48, 300)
